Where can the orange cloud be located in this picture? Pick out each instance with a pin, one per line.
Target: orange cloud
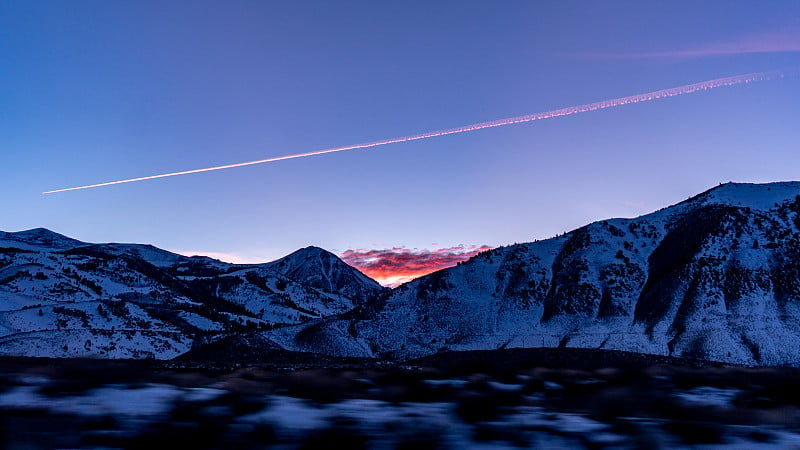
(395, 266)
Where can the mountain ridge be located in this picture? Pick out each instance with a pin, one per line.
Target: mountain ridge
(61, 297)
(715, 277)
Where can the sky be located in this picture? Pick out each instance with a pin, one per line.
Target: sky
(95, 91)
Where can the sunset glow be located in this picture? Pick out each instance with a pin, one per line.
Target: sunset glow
(395, 266)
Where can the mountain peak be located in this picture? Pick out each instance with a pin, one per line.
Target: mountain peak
(312, 250)
(759, 196)
(323, 270)
(42, 237)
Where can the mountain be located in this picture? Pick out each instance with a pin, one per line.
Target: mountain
(38, 239)
(715, 277)
(320, 269)
(60, 297)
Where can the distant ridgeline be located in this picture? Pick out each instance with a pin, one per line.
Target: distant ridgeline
(64, 298)
(716, 277)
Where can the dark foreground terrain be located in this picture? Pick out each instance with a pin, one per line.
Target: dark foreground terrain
(509, 399)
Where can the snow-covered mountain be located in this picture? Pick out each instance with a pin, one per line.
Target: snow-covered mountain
(38, 239)
(321, 269)
(715, 277)
(61, 297)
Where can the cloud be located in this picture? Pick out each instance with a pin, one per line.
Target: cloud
(394, 266)
(778, 41)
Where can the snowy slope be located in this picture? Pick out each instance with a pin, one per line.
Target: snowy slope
(61, 297)
(714, 277)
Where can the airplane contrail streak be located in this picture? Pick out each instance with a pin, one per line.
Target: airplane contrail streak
(672, 92)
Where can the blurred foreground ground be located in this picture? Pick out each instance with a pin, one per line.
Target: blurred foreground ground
(457, 403)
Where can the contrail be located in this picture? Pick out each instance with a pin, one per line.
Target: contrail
(672, 92)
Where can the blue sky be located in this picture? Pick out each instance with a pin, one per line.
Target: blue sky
(94, 91)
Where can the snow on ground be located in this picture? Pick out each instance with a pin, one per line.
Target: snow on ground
(202, 323)
(709, 396)
(374, 424)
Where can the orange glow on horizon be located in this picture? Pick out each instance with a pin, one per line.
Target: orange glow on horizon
(394, 266)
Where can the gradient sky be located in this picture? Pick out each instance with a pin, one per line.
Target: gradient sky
(94, 91)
